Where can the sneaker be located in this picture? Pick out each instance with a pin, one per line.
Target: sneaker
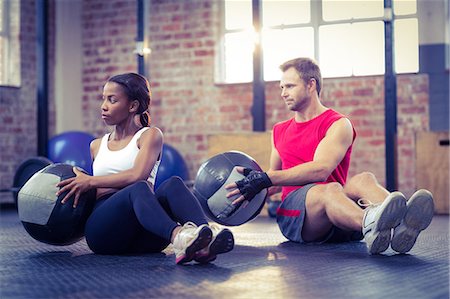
(420, 211)
(222, 242)
(190, 239)
(379, 219)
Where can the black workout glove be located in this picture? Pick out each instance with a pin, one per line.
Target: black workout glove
(253, 183)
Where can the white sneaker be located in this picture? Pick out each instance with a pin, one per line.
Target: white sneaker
(222, 242)
(419, 213)
(379, 219)
(190, 239)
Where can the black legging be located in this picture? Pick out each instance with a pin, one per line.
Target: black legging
(136, 220)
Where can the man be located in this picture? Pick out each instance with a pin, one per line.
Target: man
(310, 159)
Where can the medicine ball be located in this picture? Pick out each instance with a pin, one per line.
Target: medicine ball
(41, 212)
(209, 188)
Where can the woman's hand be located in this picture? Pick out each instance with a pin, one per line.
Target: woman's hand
(75, 186)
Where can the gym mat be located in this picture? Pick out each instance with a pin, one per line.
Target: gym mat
(263, 264)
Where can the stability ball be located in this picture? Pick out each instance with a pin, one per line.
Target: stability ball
(209, 188)
(172, 164)
(71, 148)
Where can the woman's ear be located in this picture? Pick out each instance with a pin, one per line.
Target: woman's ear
(134, 106)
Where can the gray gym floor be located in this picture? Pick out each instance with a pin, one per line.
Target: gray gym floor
(262, 265)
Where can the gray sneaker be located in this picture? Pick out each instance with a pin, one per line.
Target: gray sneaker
(190, 239)
(379, 219)
(419, 213)
(222, 242)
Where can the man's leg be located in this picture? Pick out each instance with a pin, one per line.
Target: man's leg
(420, 211)
(327, 205)
(365, 186)
(420, 208)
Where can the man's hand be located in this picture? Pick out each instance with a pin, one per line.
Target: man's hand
(248, 187)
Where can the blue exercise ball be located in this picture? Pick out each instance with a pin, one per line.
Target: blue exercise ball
(71, 148)
(172, 164)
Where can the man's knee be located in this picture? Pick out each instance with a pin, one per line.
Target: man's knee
(320, 194)
(362, 179)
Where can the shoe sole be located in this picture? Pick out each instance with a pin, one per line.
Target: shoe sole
(202, 240)
(391, 216)
(420, 211)
(223, 243)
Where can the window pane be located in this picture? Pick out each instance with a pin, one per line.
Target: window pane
(406, 46)
(352, 49)
(334, 10)
(2, 59)
(2, 10)
(404, 7)
(239, 57)
(286, 12)
(238, 14)
(367, 48)
(10, 45)
(279, 46)
(334, 55)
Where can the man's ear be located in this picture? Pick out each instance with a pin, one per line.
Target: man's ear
(312, 84)
(134, 106)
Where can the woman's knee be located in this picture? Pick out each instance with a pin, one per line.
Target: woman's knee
(140, 190)
(175, 180)
(173, 183)
(141, 185)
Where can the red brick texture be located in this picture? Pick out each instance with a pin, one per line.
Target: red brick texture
(187, 104)
(109, 34)
(18, 105)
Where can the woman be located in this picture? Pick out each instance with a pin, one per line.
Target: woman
(128, 216)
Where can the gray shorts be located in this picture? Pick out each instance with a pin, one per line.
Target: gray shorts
(291, 215)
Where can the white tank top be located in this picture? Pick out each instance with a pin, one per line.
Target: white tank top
(110, 162)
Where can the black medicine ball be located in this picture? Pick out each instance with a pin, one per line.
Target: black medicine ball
(209, 188)
(41, 212)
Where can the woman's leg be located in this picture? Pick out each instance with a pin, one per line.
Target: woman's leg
(116, 223)
(182, 205)
(179, 202)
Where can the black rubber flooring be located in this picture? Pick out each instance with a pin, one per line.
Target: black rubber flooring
(262, 265)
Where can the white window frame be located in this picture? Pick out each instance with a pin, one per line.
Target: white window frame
(315, 22)
(8, 63)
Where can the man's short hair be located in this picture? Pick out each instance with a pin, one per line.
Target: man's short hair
(307, 69)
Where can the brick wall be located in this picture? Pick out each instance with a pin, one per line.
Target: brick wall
(109, 34)
(187, 104)
(18, 105)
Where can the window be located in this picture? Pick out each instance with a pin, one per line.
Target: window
(346, 37)
(9, 43)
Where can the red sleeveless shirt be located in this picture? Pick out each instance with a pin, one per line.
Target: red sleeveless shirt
(296, 144)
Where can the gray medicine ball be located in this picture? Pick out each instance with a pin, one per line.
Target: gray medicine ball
(209, 188)
(41, 212)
